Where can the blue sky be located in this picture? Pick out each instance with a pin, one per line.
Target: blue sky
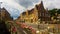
(16, 7)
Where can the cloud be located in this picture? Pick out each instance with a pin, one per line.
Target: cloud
(27, 3)
(15, 7)
(12, 4)
(47, 3)
(51, 4)
(13, 11)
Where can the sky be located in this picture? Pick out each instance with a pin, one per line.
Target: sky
(16, 7)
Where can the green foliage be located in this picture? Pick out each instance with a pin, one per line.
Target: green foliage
(58, 11)
(53, 11)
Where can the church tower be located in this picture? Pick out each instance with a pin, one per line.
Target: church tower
(43, 14)
(40, 9)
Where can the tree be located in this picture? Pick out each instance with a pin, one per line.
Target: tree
(58, 11)
(52, 12)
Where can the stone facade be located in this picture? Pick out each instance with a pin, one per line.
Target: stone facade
(4, 15)
(36, 14)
